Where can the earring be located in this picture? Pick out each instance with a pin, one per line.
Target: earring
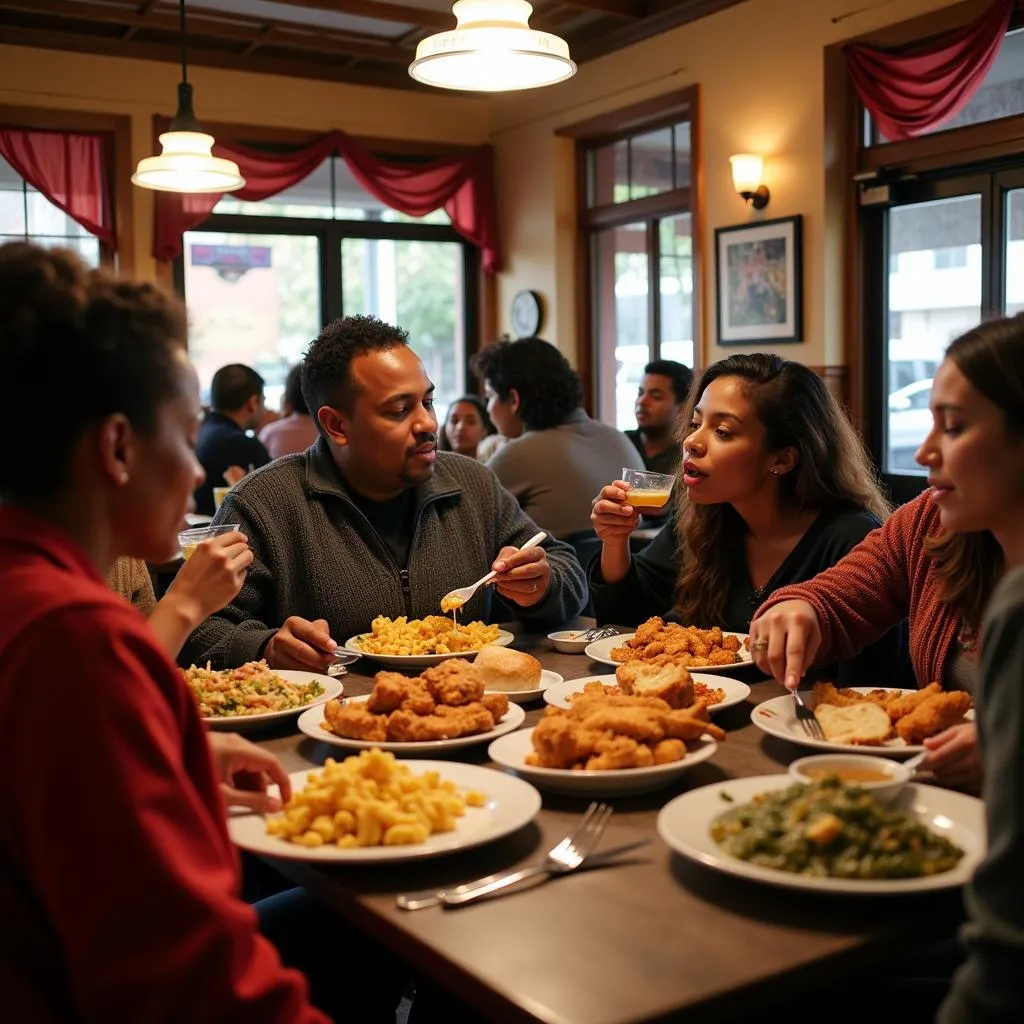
(124, 478)
(774, 472)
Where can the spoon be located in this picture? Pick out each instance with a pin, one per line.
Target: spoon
(457, 598)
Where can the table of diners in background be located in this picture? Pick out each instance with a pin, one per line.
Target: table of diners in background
(656, 938)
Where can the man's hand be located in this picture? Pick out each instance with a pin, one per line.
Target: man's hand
(245, 771)
(301, 644)
(954, 757)
(523, 576)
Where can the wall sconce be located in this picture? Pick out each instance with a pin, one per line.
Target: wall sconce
(746, 179)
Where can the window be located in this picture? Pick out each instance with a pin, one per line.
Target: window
(949, 257)
(262, 278)
(636, 219)
(27, 215)
(1001, 93)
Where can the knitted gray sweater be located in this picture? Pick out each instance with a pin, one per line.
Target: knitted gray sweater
(317, 556)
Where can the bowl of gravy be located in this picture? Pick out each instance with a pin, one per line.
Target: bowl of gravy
(881, 777)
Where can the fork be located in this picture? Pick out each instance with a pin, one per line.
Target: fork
(562, 858)
(598, 633)
(462, 594)
(805, 716)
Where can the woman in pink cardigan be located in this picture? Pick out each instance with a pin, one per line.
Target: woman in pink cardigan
(937, 559)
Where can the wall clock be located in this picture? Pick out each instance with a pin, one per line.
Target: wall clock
(526, 314)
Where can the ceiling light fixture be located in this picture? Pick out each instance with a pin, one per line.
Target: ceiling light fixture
(186, 162)
(492, 49)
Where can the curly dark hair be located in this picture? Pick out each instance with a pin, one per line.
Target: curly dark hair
(833, 471)
(96, 343)
(293, 391)
(327, 366)
(548, 387)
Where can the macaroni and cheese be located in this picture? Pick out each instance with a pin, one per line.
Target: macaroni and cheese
(434, 634)
(371, 800)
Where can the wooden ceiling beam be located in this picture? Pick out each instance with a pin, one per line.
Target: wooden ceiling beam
(379, 11)
(253, 33)
(327, 70)
(629, 10)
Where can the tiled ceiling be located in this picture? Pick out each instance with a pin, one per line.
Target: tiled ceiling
(363, 41)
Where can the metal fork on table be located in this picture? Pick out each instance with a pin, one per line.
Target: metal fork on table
(598, 633)
(562, 858)
(806, 717)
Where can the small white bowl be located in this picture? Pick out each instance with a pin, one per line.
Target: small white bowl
(895, 774)
(568, 641)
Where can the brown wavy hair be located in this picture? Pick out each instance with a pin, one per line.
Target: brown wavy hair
(833, 471)
(991, 357)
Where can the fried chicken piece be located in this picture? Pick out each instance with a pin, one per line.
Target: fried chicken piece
(933, 715)
(647, 631)
(667, 751)
(496, 704)
(691, 724)
(909, 701)
(392, 691)
(585, 703)
(445, 724)
(626, 653)
(453, 682)
(594, 689)
(707, 695)
(559, 742)
(355, 722)
(723, 656)
(826, 693)
(638, 723)
(731, 643)
(614, 752)
(669, 681)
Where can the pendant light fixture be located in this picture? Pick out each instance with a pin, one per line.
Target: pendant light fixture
(492, 49)
(186, 162)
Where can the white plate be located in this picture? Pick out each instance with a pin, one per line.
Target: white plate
(685, 825)
(404, 661)
(735, 691)
(777, 717)
(510, 752)
(310, 722)
(547, 680)
(600, 650)
(332, 689)
(511, 804)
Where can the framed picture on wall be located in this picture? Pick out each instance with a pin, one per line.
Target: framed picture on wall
(759, 277)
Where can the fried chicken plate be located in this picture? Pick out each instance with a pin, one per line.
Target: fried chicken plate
(673, 644)
(445, 702)
(605, 732)
(916, 716)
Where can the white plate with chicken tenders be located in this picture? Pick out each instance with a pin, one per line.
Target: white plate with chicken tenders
(706, 650)
(445, 707)
(720, 692)
(890, 722)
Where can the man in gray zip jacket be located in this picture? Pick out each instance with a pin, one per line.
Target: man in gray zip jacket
(373, 520)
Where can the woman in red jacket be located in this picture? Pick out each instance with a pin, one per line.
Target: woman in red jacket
(937, 559)
(119, 886)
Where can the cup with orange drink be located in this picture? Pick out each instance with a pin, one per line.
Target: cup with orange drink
(189, 540)
(647, 491)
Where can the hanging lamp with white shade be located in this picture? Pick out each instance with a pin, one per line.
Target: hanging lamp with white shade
(186, 162)
(492, 49)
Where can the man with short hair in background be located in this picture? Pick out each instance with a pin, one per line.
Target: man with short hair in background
(662, 393)
(236, 406)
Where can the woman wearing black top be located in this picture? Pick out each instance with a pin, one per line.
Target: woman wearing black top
(777, 484)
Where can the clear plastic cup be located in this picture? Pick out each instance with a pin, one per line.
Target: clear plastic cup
(648, 490)
(189, 540)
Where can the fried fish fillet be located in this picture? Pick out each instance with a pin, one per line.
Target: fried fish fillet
(863, 723)
(355, 721)
(909, 701)
(453, 682)
(670, 682)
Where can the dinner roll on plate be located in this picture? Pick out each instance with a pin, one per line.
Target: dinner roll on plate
(507, 670)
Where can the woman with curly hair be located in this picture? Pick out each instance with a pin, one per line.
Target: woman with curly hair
(775, 486)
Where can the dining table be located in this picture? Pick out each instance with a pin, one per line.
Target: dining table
(650, 937)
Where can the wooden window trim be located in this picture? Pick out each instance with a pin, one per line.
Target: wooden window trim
(118, 129)
(648, 115)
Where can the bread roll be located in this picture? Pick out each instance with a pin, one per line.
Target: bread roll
(863, 724)
(507, 670)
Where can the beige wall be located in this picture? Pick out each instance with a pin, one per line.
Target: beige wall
(140, 89)
(760, 68)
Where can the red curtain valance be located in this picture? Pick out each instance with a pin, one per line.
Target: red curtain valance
(913, 91)
(71, 169)
(463, 185)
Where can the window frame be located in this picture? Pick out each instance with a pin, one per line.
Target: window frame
(660, 112)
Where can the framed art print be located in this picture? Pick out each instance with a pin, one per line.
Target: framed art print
(759, 278)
